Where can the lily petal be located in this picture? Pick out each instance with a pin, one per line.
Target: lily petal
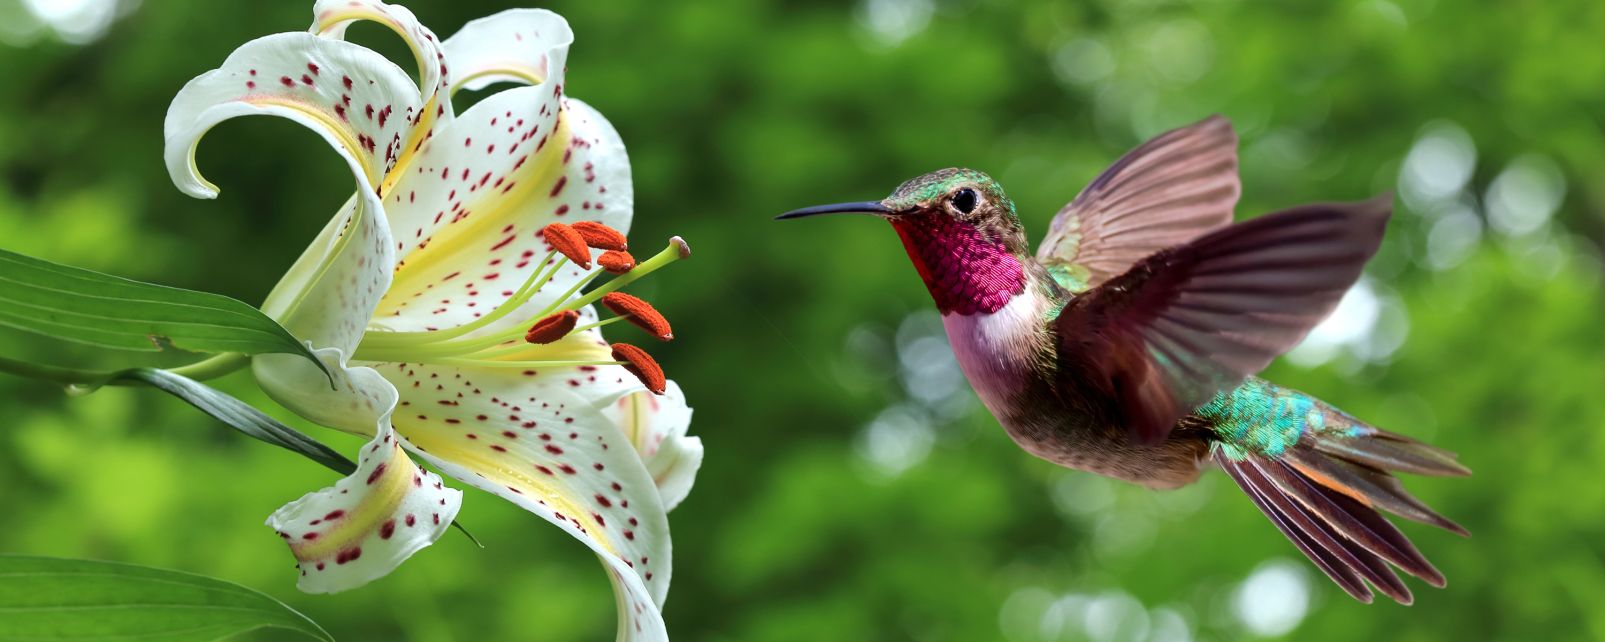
(328, 297)
(656, 425)
(367, 524)
(332, 17)
(511, 46)
(330, 20)
(526, 437)
(468, 216)
(352, 97)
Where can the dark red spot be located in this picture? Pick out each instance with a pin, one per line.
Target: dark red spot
(604, 501)
(309, 536)
(348, 555)
(285, 80)
(410, 520)
(306, 80)
(333, 515)
(387, 529)
(554, 449)
(377, 472)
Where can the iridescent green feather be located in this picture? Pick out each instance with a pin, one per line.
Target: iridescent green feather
(1260, 417)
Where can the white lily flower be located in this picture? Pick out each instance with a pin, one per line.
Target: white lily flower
(446, 298)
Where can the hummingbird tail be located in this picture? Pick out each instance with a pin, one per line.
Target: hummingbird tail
(1325, 491)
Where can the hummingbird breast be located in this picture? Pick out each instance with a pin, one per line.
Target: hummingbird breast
(1008, 355)
(1001, 351)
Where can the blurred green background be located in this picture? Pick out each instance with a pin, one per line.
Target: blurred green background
(854, 489)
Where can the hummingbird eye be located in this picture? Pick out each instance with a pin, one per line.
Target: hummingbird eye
(964, 200)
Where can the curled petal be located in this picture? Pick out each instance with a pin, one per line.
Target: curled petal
(352, 97)
(656, 425)
(367, 524)
(360, 103)
(525, 46)
(330, 19)
(526, 437)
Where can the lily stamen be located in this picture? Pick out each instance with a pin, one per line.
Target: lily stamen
(570, 242)
(552, 328)
(616, 261)
(553, 323)
(640, 313)
(641, 364)
(600, 236)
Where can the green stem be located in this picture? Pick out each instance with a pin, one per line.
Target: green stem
(209, 368)
(213, 367)
(674, 252)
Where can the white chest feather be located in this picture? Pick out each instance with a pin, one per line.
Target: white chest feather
(995, 350)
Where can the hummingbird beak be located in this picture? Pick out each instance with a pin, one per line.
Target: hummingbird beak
(863, 207)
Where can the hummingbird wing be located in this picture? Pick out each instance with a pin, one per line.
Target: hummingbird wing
(1181, 325)
(1169, 190)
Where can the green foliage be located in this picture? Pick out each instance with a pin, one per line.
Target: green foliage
(48, 599)
(87, 307)
(852, 490)
(239, 415)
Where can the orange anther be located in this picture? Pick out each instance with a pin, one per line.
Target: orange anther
(601, 236)
(639, 312)
(616, 261)
(569, 243)
(640, 364)
(552, 328)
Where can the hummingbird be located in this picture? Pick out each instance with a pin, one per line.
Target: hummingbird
(1128, 344)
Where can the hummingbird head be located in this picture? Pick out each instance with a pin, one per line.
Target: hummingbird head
(960, 231)
(953, 198)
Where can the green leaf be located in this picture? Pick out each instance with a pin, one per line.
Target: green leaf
(46, 598)
(238, 415)
(247, 419)
(83, 306)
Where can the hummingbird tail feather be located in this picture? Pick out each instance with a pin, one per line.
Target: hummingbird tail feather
(1326, 491)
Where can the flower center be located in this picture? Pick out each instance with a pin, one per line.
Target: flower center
(547, 338)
